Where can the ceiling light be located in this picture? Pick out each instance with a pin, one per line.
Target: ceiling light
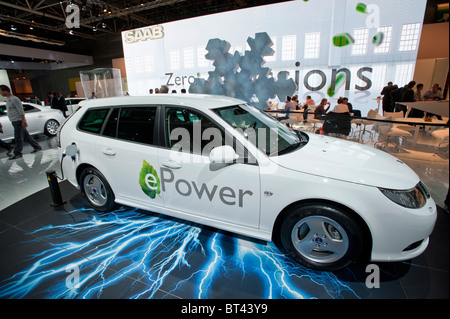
(13, 27)
(71, 32)
(103, 25)
(94, 28)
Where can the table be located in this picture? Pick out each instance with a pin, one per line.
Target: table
(417, 122)
(435, 107)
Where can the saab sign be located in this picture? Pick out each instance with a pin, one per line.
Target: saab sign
(152, 33)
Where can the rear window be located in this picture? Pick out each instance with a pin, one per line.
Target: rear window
(137, 124)
(92, 121)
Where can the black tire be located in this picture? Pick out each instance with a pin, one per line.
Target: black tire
(51, 127)
(95, 188)
(321, 237)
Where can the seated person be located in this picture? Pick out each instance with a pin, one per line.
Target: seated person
(289, 107)
(309, 101)
(294, 100)
(320, 109)
(433, 94)
(341, 107)
(349, 105)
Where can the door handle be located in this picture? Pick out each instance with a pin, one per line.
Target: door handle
(172, 164)
(109, 152)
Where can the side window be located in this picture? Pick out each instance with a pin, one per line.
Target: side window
(137, 124)
(111, 125)
(2, 110)
(92, 121)
(30, 109)
(189, 131)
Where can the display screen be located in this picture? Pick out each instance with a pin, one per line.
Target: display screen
(325, 49)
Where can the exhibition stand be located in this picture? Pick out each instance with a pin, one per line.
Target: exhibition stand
(72, 251)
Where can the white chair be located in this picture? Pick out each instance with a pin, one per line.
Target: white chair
(386, 131)
(371, 114)
(310, 118)
(297, 117)
(293, 118)
(274, 108)
(394, 115)
(442, 138)
(399, 115)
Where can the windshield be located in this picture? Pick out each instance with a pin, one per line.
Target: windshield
(262, 130)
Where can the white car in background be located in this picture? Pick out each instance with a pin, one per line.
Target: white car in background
(326, 202)
(40, 119)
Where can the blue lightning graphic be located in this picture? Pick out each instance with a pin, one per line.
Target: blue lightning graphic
(162, 258)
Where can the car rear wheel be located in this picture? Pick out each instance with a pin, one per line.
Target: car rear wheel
(96, 190)
(51, 127)
(321, 237)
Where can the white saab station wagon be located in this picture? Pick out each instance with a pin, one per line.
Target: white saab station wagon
(219, 162)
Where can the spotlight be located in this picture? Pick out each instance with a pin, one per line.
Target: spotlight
(71, 32)
(94, 28)
(103, 25)
(13, 27)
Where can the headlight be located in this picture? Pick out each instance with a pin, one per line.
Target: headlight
(413, 198)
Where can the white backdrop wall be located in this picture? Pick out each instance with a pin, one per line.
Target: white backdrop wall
(301, 31)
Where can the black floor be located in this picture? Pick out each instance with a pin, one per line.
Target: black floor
(75, 252)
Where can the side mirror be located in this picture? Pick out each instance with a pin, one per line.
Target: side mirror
(223, 154)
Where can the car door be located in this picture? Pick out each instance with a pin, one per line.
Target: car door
(192, 185)
(35, 119)
(127, 151)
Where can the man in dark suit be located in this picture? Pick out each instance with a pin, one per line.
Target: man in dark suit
(387, 99)
(59, 103)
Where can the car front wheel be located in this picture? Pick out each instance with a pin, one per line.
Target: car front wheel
(96, 190)
(321, 237)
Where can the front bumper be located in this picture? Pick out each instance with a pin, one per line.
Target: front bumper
(400, 233)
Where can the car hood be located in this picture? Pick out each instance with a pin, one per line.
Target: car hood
(349, 161)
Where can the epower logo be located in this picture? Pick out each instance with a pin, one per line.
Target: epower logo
(152, 185)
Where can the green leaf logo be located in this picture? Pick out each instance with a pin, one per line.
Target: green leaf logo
(149, 180)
